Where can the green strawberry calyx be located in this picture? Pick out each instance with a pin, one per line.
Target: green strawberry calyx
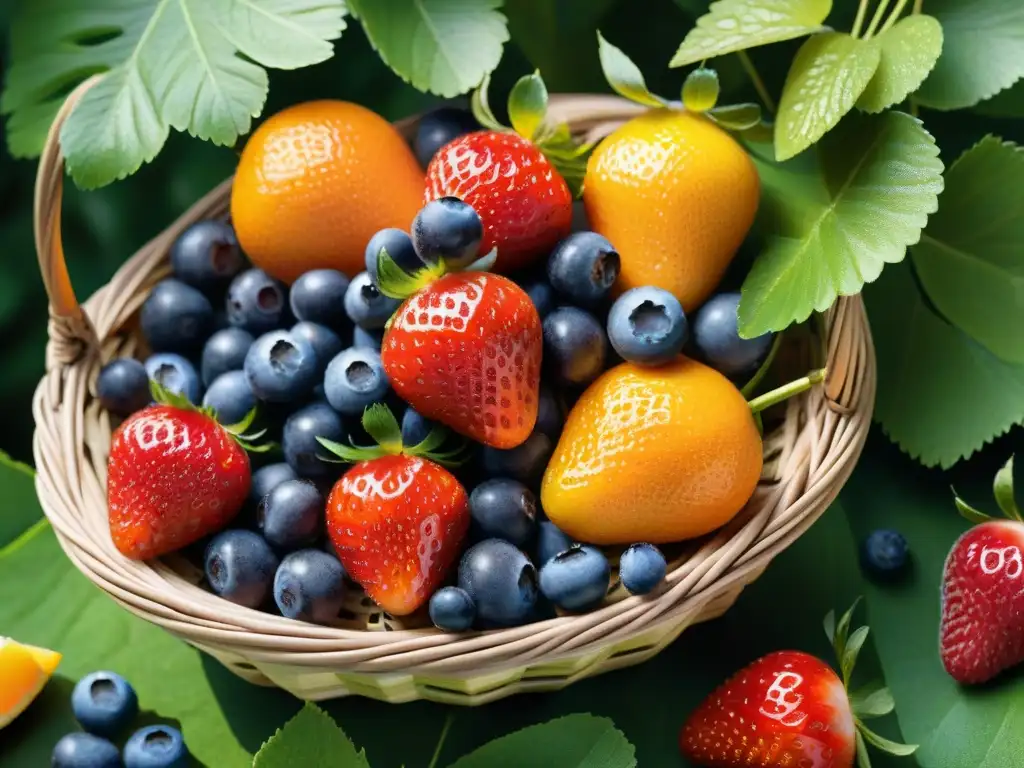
(250, 441)
(871, 701)
(380, 424)
(395, 283)
(1002, 489)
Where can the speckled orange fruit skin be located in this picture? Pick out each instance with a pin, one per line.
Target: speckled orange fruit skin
(315, 182)
(655, 454)
(676, 196)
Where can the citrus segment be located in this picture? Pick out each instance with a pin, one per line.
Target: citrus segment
(22, 677)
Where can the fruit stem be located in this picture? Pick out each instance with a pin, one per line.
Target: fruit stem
(755, 78)
(758, 377)
(858, 22)
(441, 739)
(877, 18)
(786, 391)
(894, 16)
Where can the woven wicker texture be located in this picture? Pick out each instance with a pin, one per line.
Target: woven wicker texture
(809, 455)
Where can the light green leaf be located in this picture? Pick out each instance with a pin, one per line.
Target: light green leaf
(969, 259)
(574, 741)
(624, 76)
(851, 651)
(874, 700)
(968, 512)
(981, 52)
(1006, 103)
(1002, 488)
(441, 46)
(311, 738)
(886, 745)
(700, 90)
(941, 395)
(736, 117)
(20, 509)
(863, 759)
(528, 104)
(828, 75)
(283, 34)
(836, 216)
(736, 25)
(910, 49)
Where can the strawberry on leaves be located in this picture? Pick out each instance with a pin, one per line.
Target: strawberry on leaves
(397, 519)
(175, 475)
(791, 709)
(520, 180)
(981, 632)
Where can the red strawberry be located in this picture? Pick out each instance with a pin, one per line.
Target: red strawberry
(466, 351)
(397, 520)
(788, 709)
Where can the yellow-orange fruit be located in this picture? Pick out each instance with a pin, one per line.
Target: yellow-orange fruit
(24, 670)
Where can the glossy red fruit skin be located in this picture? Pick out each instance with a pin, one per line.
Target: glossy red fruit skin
(786, 710)
(981, 632)
(524, 203)
(397, 524)
(466, 352)
(173, 477)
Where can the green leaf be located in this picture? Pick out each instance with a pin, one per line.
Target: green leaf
(624, 76)
(1002, 488)
(311, 738)
(395, 283)
(169, 63)
(981, 52)
(380, 424)
(969, 258)
(968, 512)
(480, 106)
(441, 46)
(736, 117)
(886, 745)
(874, 700)
(700, 90)
(18, 507)
(909, 51)
(941, 395)
(863, 759)
(1006, 103)
(851, 651)
(828, 75)
(527, 105)
(842, 631)
(833, 218)
(830, 626)
(574, 741)
(736, 25)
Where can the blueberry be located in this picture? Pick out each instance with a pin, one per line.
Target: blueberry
(175, 374)
(718, 341)
(551, 413)
(364, 339)
(584, 267)
(550, 541)
(240, 567)
(526, 462)
(439, 127)
(256, 302)
(501, 580)
(399, 246)
(83, 750)
(298, 441)
(123, 386)
(206, 256)
(325, 342)
(647, 326)
(267, 478)
(642, 567)
(576, 579)
(448, 229)
(574, 346)
(224, 351)
(104, 703)
(281, 368)
(355, 379)
(318, 296)
(230, 396)
(415, 428)
(291, 515)
(310, 586)
(176, 317)
(365, 305)
(452, 609)
(504, 509)
(884, 553)
(156, 746)
(541, 294)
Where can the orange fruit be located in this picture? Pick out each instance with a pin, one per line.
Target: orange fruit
(676, 195)
(24, 670)
(655, 454)
(315, 182)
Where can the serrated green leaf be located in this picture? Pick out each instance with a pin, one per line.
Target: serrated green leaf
(283, 34)
(929, 368)
(700, 90)
(909, 50)
(1002, 489)
(439, 46)
(968, 512)
(828, 75)
(574, 741)
(736, 117)
(311, 738)
(981, 52)
(736, 25)
(873, 700)
(624, 76)
(1006, 103)
(528, 104)
(969, 258)
(835, 217)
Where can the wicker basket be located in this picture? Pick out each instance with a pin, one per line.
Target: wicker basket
(808, 458)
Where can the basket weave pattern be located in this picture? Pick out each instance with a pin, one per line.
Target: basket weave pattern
(807, 460)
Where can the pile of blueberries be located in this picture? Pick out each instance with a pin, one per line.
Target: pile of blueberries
(105, 704)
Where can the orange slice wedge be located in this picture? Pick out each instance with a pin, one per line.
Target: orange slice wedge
(24, 670)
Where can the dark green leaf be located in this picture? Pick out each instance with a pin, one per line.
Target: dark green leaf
(528, 104)
(1002, 488)
(623, 75)
(969, 258)
(1006, 103)
(830, 626)
(18, 506)
(700, 90)
(828, 75)
(311, 738)
(910, 49)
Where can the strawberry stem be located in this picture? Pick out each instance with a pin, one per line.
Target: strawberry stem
(248, 441)
(786, 391)
(395, 283)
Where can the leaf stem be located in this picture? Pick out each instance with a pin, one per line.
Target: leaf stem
(441, 739)
(786, 391)
(894, 16)
(755, 78)
(918, 5)
(883, 6)
(858, 22)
